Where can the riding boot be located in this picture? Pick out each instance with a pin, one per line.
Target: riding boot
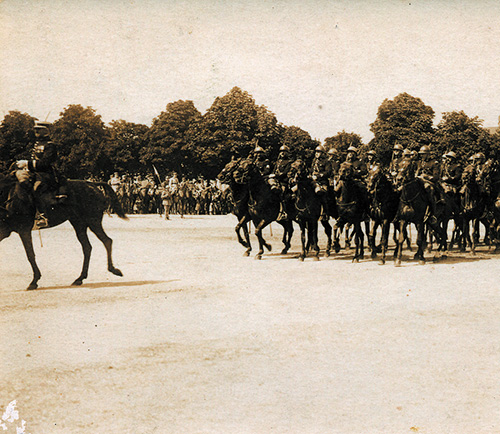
(282, 214)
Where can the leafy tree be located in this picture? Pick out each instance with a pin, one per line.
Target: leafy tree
(16, 138)
(343, 140)
(232, 124)
(123, 147)
(405, 120)
(462, 134)
(81, 137)
(169, 136)
(299, 142)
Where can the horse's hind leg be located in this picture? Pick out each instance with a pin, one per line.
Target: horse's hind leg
(328, 232)
(81, 233)
(30, 253)
(108, 242)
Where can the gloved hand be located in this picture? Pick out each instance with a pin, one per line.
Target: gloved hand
(22, 164)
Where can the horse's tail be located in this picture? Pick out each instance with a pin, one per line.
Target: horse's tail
(112, 199)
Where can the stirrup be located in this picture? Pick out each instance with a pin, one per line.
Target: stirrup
(282, 216)
(41, 222)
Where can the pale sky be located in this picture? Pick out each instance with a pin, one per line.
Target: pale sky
(324, 66)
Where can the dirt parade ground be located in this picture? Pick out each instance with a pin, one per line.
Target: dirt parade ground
(197, 338)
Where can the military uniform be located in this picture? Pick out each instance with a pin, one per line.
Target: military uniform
(321, 173)
(428, 171)
(451, 174)
(397, 158)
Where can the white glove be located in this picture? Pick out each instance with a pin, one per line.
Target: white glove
(22, 164)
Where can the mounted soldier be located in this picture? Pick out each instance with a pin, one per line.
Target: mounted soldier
(279, 179)
(451, 173)
(261, 162)
(49, 182)
(358, 166)
(334, 158)
(428, 171)
(321, 173)
(371, 160)
(397, 157)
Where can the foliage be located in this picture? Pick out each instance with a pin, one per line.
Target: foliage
(16, 138)
(342, 141)
(299, 142)
(462, 134)
(168, 138)
(406, 120)
(81, 137)
(123, 146)
(232, 125)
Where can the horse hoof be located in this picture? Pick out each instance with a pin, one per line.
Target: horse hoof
(327, 253)
(246, 254)
(381, 262)
(316, 258)
(32, 286)
(397, 262)
(301, 258)
(421, 262)
(355, 260)
(116, 272)
(77, 282)
(284, 251)
(258, 257)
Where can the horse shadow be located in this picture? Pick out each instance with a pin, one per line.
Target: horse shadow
(102, 285)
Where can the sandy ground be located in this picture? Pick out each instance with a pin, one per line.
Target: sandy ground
(196, 338)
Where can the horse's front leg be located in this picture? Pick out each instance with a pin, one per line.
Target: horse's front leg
(384, 239)
(359, 238)
(303, 240)
(30, 253)
(421, 235)
(287, 235)
(398, 252)
(313, 235)
(371, 238)
(328, 232)
(262, 241)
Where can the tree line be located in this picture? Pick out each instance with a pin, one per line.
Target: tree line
(183, 140)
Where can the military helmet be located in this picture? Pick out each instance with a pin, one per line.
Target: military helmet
(397, 147)
(371, 152)
(258, 149)
(352, 149)
(424, 150)
(320, 148)
(479, 156)
(333, 151)
(41, 129)
(407, 153)
(284, 148)
(451, 154)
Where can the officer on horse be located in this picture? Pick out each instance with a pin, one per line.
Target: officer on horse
(42, 163)
(428, 171)
(279, 179)
(321, 172)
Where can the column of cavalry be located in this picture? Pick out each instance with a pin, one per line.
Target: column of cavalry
(414, 188)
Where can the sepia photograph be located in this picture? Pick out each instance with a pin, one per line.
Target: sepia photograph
(249, 216)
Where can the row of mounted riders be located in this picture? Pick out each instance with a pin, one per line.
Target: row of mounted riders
(413, 189)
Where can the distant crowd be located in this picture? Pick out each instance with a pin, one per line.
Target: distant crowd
(146, 195)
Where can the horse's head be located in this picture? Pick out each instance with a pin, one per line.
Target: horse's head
(406, 173)
(226, 173)
(244, 171)
(374, 176)
(346, 171)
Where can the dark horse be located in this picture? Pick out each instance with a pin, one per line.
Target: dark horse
(240, 196)
(86, 204)
(352, 206)
(473, 204)
(263, 204)
(383, 206)
(414, 206)
(307, 208)
(489, 184)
